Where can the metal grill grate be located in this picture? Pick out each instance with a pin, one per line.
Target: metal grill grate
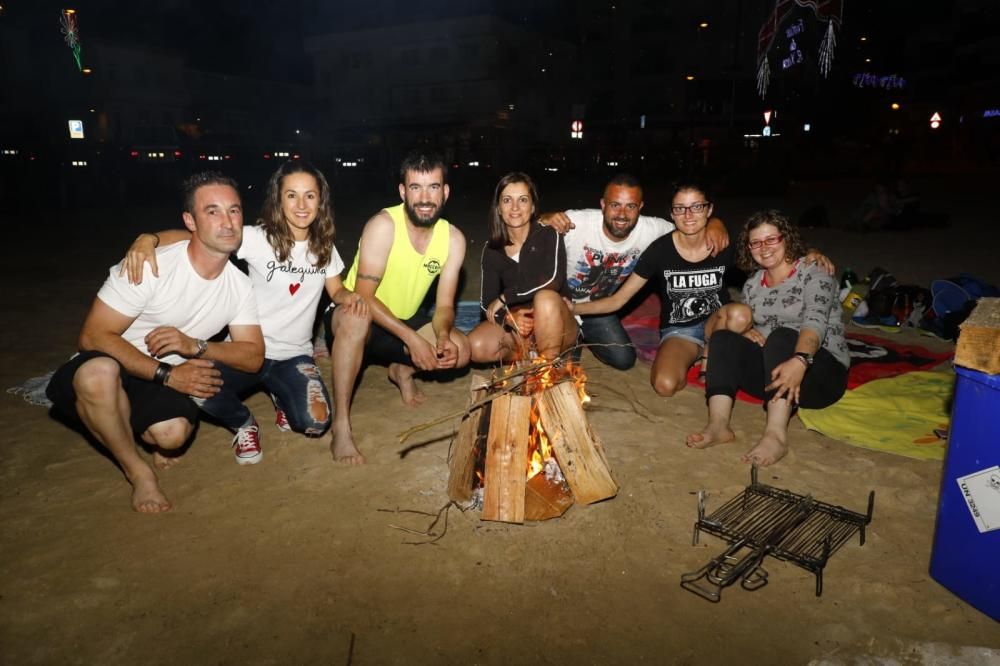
(765, 521)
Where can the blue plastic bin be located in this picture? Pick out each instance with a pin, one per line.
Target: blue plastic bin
(963, 559)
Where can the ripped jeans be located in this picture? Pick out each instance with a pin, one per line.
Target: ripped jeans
(295, 385)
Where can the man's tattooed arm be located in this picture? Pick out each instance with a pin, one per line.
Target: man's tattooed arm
(374, 278)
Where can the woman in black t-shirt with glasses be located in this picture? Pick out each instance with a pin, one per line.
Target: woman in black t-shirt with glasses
(694, 301)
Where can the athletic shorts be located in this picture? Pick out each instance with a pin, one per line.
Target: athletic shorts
(150, 403)
(382, 347)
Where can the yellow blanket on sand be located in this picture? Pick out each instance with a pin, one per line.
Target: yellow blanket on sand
(896, 414)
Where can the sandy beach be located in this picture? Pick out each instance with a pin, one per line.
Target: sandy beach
(299, 561)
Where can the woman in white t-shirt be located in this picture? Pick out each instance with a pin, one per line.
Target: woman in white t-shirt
(291, 259)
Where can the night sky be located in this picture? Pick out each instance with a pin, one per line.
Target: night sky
(255, 38)
(266, 39)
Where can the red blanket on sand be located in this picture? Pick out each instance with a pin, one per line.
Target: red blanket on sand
(872, 357)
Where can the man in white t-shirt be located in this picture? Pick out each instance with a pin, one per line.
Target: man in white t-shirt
(143, 349)
(602, 248)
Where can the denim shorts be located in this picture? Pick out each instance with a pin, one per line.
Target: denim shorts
(694, 333)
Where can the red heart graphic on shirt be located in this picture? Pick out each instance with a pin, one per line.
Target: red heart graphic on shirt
(292, 288)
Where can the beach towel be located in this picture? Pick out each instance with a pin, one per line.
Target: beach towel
(906, 415)
(33, 390)
(873, 357)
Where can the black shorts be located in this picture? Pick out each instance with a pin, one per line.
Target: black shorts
(382, 347)
(150, 403)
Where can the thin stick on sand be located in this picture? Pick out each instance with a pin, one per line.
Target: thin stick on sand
(429, 531)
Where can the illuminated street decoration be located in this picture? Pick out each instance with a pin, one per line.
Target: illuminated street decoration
(888, 82)
(829, 11)
(826, 48)
(71, 32)
(794, 53)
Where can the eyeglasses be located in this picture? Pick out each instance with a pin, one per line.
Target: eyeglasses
(694, 208)
(770, 240)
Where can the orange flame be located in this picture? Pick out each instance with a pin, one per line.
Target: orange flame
(539, 448)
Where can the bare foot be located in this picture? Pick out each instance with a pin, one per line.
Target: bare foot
(714, 433)
(342, 446)
(402, 377)
(147, 496)
(770, 449)
(161, 461)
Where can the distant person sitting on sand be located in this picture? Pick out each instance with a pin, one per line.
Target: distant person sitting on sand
(877, 210)
(795, 354)
(893, 205)
(292, 261)
(143, 350)
(403, 250)
(910, 214)
(523, 289)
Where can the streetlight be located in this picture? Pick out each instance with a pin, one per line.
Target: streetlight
(894, 106)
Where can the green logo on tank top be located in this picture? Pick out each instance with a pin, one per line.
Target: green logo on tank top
(433, 266)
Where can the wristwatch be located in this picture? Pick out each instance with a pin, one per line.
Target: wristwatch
(807, 357)
(202, 348)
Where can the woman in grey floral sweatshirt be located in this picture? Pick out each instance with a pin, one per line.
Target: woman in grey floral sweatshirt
(795, 354)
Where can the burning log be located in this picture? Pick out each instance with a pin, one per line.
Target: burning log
(524, 448)
(577, 448)
(469, 443)
(506, 456)
(546, 498)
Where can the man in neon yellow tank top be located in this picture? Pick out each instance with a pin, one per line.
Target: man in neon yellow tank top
(403, 250)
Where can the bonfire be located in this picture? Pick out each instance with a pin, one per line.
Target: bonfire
(524, 449)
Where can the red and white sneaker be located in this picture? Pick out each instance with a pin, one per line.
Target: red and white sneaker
(246, 445)
(281, 420)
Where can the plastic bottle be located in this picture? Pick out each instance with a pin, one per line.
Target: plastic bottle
(848, 278)
(855, 296)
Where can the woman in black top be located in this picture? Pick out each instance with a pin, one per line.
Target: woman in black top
(523, 291)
